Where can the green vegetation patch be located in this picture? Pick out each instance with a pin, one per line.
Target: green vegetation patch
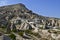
(12, 36)
(29, 32)
(21, 33)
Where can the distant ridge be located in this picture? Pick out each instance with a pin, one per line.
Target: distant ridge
(21, 7)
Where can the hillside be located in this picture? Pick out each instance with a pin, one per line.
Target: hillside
(18, 21)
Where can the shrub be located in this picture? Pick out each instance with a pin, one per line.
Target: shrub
(21, 33)
(49, 31)
(30, 32)
(12, 36)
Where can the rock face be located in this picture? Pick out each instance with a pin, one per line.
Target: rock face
(20, 12)
(17, 17)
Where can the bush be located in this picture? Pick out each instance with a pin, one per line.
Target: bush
(14, 30)
(12, 36)
(55, 32)
(30, 32)
(49, 31)
(21, 33)
(3, 27)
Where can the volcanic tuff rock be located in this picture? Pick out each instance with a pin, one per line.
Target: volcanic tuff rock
(18, 18)
(10, 11)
